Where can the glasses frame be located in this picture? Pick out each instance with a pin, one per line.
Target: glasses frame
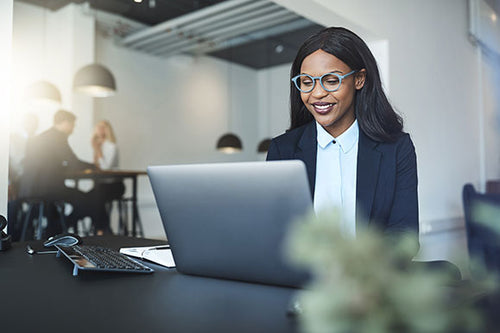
(320, 78)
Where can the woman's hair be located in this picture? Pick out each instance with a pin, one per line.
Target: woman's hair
(108, 130)
(375, 115)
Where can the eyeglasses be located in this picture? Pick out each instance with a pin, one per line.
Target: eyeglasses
(329, 81)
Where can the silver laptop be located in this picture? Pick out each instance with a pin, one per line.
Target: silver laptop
(229, 220)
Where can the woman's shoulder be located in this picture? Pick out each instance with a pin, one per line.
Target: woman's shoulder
(396, 139)
(401, 145)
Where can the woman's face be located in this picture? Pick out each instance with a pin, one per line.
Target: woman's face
(332, 110)
(101, 131)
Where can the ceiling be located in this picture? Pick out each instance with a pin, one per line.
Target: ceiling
(253, 33)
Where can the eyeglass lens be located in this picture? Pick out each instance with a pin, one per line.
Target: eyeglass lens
(329, 82)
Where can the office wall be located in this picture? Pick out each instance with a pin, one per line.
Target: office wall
(273, 90)
(5, 105)
(172, 111)
(490, 64)
(52, 46)
(429, 57)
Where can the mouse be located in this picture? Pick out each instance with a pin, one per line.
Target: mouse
(63, 240)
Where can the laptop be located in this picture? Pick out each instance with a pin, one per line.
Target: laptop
(230, 220)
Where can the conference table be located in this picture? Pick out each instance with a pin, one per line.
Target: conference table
(116, 175)
(40, 294)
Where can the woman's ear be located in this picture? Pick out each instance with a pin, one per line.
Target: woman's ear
(359, 79)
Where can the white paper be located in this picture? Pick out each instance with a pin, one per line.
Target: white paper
(157, 254)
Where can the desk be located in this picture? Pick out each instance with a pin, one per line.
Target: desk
(118, 175)
(39, 293)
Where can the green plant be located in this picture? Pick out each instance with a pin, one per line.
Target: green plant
(368, 284)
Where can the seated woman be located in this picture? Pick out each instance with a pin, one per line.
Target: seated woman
(349, 136)
(106, 157)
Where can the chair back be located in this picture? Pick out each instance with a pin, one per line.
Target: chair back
(483, 241)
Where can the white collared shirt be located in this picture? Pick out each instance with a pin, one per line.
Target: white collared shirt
(336, 170)
(109, 158)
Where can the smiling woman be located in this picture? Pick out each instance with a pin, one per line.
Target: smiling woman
(350, 138)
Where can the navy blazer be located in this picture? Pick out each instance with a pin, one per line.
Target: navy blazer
(386, 184)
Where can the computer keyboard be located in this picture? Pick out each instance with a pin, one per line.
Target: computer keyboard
(97, 258)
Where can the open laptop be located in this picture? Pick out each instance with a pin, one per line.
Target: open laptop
(229, 220)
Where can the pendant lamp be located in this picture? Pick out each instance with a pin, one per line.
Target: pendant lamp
(95, 80)
(263, 146)
(229, 143)
(44, 93)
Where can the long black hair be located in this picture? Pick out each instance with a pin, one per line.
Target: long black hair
(376, 117)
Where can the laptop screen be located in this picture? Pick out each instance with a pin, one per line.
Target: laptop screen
(230, 220)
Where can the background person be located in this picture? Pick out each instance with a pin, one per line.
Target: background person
(106, 157)
(104, 145)
(348, 135)
(49, 160)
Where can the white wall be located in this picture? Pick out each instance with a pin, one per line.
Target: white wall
(172, 111)
(5, 105)
(52, 46)
(429, 57)
(273, 90)
(491, 74)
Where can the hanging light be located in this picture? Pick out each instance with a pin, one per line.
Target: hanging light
(263, 146)
(229, 143)
(95, 80)
(44, 93)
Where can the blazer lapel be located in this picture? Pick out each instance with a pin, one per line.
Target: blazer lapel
(367, 176)
(306, 151)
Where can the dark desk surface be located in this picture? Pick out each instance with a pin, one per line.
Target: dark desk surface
(39, 293)
(95, 174)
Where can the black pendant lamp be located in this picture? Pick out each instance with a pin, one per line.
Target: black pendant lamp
(95, 80)
(229, 143)
(263, 146)
(44, 93)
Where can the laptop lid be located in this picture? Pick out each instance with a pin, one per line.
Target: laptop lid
(229, 220)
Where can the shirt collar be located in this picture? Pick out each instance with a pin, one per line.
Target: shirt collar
(346, 140)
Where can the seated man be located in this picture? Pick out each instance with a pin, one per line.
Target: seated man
(17, 150)
(49, 158)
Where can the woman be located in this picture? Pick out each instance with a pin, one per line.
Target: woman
(104, 144)
(349, 137)
(105, 158)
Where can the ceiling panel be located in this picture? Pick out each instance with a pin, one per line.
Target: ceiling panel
(256, 33)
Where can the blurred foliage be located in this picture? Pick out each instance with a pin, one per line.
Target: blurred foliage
(369, 285)
(488, 214)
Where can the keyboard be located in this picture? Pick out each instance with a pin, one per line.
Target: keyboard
(97, 258)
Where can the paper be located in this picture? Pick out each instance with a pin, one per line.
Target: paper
(161, 255)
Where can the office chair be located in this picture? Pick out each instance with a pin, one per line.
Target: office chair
(483, 242)
(42, 207)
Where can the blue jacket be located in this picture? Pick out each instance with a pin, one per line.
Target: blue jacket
(386, 185)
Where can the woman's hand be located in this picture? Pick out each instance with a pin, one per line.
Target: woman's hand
(96, 142)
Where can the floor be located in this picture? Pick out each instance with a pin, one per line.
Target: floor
(448, 245)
